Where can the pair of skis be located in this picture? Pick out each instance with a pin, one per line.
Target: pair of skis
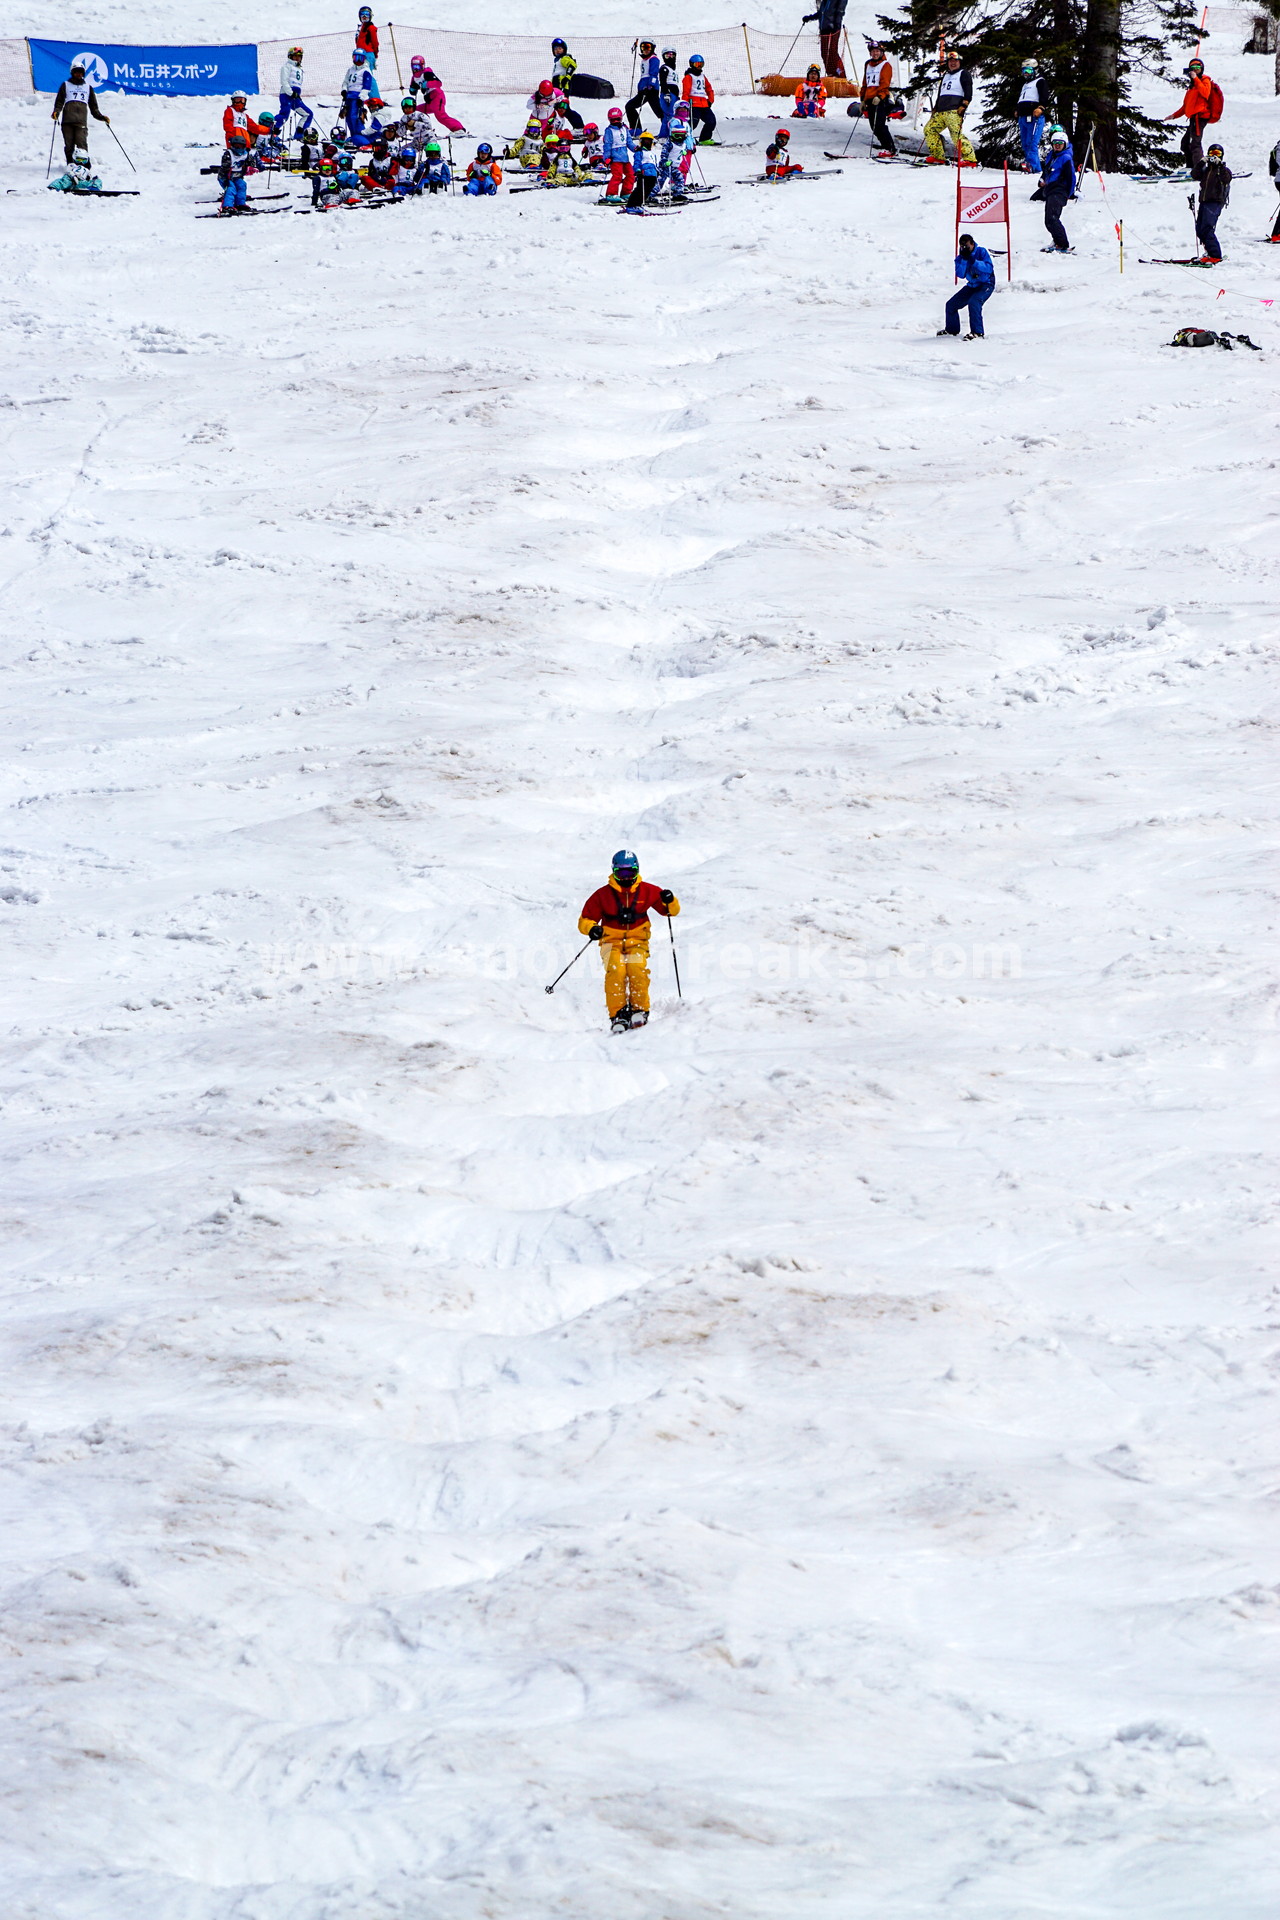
(785, 179)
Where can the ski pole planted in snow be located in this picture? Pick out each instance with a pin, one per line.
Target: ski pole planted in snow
(675, 963)
(560, 976)
(52, 137)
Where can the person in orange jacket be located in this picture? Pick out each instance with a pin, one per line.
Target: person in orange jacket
(811, 97)
(877, 81)
(1197, 105)
(699, 96)
(617, 915)
(237, 118)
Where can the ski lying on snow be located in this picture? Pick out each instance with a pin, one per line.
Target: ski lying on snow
(239, 213)
(106, 193)
(782, 180)
(1159, 262)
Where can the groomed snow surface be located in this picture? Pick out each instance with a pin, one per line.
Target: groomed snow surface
(807, 1458)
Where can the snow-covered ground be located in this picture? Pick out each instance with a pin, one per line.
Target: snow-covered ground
(808, 1458)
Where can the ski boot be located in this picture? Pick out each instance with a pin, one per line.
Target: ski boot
(620, 1021)
(639, 1017)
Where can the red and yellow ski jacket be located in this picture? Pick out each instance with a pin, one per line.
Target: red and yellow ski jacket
(624, 910)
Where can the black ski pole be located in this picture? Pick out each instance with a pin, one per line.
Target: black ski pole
(1191, 203)
(791, 49)
(116, 137)
(560, 976)
(675, 963)
(52, 137)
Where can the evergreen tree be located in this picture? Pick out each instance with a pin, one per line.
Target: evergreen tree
(1087, 51)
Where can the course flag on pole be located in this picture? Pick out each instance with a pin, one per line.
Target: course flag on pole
(978, 206)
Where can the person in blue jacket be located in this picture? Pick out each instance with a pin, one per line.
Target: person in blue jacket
(1057, 186)
(646, 166)
(646, 93)
(973, 266)
(1033, 107)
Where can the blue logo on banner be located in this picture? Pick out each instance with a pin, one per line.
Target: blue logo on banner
(145, 69)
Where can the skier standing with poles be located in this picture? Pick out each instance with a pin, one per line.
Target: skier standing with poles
(75, 102)
(617, 916)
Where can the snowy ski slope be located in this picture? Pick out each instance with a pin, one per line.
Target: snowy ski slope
(809, 1458)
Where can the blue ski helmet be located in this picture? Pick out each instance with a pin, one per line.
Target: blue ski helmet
(696, 60)
(625, 863)
(357, 56)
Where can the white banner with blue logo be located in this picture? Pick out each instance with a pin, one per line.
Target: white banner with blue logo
(144, 69)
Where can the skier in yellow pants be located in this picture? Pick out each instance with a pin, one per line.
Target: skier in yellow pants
(617, 915)
(955, 96)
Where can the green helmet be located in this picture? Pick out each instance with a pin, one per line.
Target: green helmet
(406, 105)
(266, 119)
(432, 146)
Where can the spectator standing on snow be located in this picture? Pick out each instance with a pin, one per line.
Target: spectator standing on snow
(1197, 109)
(1214, 176)
(699, 95)
(955, 91)
(973, 266)
(830, 19)
(75, 102)
(1057, 186)
(367, 38)
(1032, 102)
(877, 84)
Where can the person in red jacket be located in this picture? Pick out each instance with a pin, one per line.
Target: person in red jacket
(617, 915)
(367, 38)
(1197, 105)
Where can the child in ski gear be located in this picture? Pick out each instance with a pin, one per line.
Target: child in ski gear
(310, 139)
(367, 37)
(674, 156)
(484, 175)
(830, 19)
(435, 169)
(75, 101)
(559, 168)
(434, 101)
(408, 170)
(563, 65)
(541, 104)
(877, 83)
(700, 95)
(528, 148)
(811, 97)
(1057, 186)
(1215, 177)
(381, 170)
(645, 166)
(79, 176)
(617, 916)
(955, 91)
(646, 93)
(1032, 102)
(668, 87)
(358, 84)
(1201, 103)
(232, 169)
(1273, 168)
(973, 266)
(266, 150)
(777, 157)
(324, 182)
(620, 143)
(236, 118)
(291, 100)
(591, 154)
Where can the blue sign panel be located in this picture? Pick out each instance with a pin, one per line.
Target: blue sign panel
(144, 69)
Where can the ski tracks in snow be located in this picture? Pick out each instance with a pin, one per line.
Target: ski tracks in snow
(459, 1461)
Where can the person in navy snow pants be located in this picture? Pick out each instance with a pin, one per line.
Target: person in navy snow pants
(973, 266)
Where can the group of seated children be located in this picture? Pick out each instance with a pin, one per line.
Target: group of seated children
(630, 165)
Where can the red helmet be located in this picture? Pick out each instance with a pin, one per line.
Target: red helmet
(591, 129)
(615, 116)
(783, 133)
(545, 89)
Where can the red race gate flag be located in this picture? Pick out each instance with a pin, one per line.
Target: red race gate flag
(978, 205)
